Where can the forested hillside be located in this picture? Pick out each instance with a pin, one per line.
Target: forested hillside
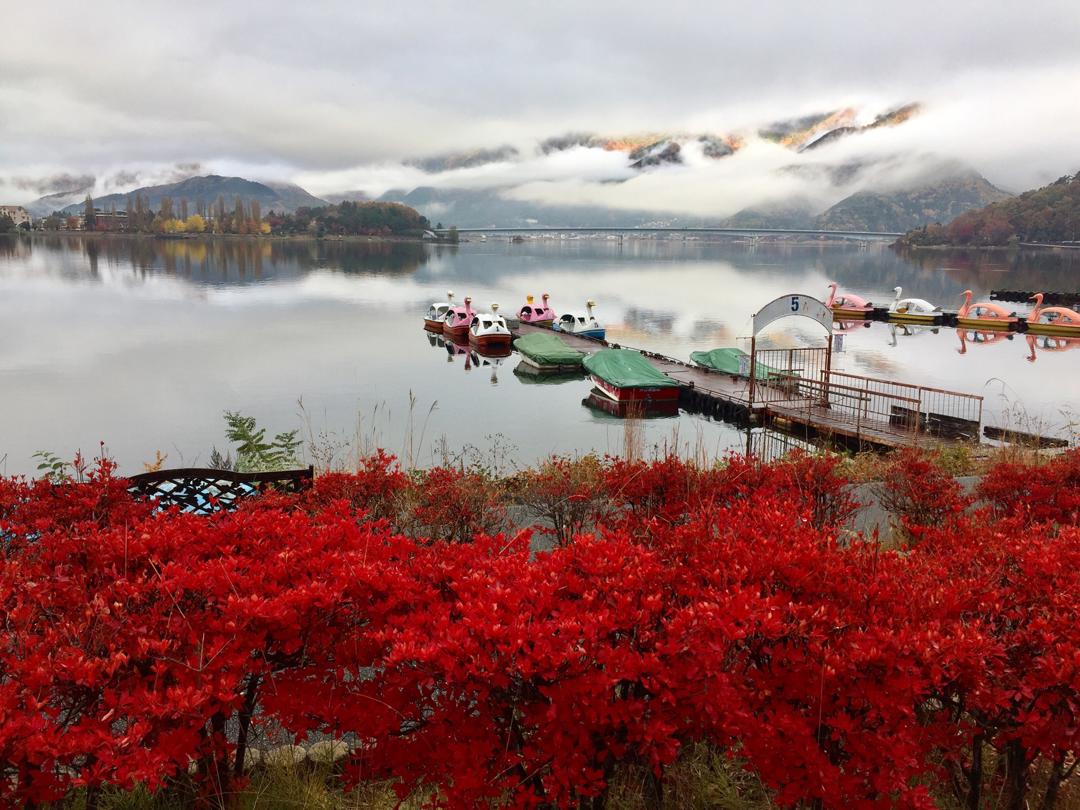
(1047, 214)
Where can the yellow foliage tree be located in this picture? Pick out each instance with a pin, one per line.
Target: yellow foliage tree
(195, 224)
(172, 225)
(264, 228)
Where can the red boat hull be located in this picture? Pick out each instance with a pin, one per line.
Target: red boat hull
(491, 342)
(636, 393)
(625, 410)
(433, 326)
(456, 332)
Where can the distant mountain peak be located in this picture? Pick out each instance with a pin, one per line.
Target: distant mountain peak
(284, 197)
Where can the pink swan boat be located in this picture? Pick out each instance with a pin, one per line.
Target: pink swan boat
(542, 315)
(848, 305)
(457, 320)
(1059, 320)
(983, 315)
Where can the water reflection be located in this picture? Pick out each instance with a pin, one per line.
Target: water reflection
(1038, 344)
(145, 342)
(233, 261)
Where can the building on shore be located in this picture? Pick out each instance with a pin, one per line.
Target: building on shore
(109, 220)
(18, 214)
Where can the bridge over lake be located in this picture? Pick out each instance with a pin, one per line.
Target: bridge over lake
(688, 231)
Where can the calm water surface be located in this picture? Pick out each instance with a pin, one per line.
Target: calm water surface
(144, 343)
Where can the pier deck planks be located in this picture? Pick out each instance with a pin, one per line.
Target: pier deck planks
(735, 391)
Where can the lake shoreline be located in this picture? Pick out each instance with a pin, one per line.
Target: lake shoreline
(210, 237)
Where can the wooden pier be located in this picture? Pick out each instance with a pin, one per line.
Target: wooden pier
(807, 398)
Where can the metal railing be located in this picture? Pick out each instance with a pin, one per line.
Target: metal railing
(779, 373)
(936, 411)
(799, 382)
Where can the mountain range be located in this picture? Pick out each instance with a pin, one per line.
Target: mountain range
(826, 187)
(207, 190)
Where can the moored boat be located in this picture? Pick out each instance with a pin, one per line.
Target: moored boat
(547, 352)
(603, 406)
(847, 306)
(436, 313)
(913, 310)
(732, 361)
(488, 331)
(574, 323)
(537, 314)
(457, 320)
(983, 315)
(1061, 321)
(625, 376)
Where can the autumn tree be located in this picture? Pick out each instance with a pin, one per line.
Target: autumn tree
(239, 217)
(89, 215)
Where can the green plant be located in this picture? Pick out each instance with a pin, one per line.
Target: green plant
(253, 452)
(53, 467)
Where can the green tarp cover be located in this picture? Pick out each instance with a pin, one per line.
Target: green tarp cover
(548, 349)
(726, 361)
(625, 368)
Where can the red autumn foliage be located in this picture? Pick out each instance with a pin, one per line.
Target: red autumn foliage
(451, 504)
(716, 607)
(371, 490)
(1044, 493)
(916, 490)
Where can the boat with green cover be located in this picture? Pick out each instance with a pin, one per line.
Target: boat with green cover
(732, 361)
(547, 352)
(625, 376)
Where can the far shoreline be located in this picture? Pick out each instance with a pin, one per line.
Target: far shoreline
(209, 237)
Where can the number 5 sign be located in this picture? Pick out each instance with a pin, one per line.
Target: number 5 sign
(795, 304)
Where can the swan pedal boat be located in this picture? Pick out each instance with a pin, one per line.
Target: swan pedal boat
(625, 376)
(581, 325)
(489, 333)
(1061, 321)
(914, 310)
(848, 307)
(436, 314)
(457, 321)
(984, 316)
(537, 314)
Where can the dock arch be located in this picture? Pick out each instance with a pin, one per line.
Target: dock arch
(787, 306)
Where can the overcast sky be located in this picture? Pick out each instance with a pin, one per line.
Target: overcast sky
(335, 95)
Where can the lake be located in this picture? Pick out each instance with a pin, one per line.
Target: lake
(144, 343)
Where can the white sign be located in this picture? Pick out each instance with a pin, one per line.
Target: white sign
(794, 304)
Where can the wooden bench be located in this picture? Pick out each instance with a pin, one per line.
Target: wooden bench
(204, 490)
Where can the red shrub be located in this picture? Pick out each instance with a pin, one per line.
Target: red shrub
(1044, 493)
(915, 489)
(843, 675)
(372, 490)
(446, 503)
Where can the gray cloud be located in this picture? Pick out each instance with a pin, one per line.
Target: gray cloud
(324, 90)
(54, 183)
